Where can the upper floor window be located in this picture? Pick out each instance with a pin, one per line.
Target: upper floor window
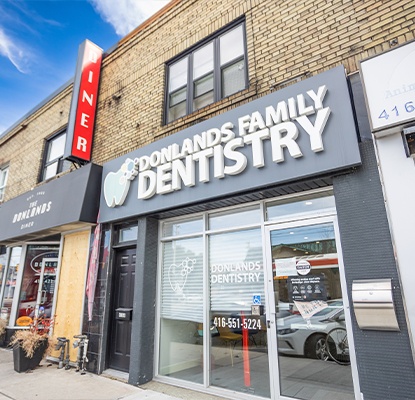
(53, 162)
(207, 73)
(4, 172)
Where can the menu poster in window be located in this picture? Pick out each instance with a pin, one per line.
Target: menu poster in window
(307, 288)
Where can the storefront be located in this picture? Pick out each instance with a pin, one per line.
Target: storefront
(235, 246)
(234, 276)
(45, 242)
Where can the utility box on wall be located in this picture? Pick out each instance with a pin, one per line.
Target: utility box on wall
(373, 304)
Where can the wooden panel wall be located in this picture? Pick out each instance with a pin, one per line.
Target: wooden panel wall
(71, 289)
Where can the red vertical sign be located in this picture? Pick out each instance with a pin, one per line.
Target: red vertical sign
(84, 102)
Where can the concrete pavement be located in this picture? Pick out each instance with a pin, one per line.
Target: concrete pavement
(47, 382)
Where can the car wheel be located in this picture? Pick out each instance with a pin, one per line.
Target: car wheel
(316, 347)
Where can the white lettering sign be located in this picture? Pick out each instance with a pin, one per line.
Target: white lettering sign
(277, 126)
(247, 272)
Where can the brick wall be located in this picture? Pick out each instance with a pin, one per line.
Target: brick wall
(285, 40)
(22, 147)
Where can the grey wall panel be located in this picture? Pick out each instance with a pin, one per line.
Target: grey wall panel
(385, 363)
(143, 324)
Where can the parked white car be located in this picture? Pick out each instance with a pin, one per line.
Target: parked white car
(298, 337)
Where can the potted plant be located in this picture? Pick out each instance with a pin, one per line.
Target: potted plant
(30, 345)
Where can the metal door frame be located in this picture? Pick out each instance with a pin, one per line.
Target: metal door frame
(270, 302)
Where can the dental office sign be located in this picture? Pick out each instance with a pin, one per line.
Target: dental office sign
(389, 82)
(80, 129)
(299, 131)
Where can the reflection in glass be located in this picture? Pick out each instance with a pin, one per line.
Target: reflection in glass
(181, 329)
(128, 234)
(315, 204)
(203, 100)
(4, 172)
(231, 45)
(309, 305)
(10, 283)
(203, 61)
(183, 227)
(238, 217)
(56, 147)
(51, 170)
(177, 111)
(35, 258)
(178, 75)
(203, 85)
(233, 78)
(239, 353)
(3, 261)
(178, 97)
(203, 92)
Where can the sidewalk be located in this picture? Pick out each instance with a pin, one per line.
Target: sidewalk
(47, 382)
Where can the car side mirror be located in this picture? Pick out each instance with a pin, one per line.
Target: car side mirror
(340, 318)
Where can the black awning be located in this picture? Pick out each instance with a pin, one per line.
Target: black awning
(65, 203)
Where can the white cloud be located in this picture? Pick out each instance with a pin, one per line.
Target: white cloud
(15, 53)
(126, 15)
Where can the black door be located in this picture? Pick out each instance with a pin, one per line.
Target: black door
(121, 313)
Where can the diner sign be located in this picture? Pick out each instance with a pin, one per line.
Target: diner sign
(80, 129)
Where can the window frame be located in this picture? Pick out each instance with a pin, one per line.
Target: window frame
(60, 160)
(218, 86)
(3, 170)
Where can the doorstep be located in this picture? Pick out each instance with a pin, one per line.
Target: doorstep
(117, 375)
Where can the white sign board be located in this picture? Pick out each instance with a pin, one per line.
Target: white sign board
(285, 267)
(389, 83)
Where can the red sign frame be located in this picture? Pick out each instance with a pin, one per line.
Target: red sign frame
(81, 124)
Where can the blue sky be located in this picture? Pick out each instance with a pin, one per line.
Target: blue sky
(39, 42)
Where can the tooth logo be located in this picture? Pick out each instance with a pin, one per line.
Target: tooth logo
(178, 274)
(117, 184)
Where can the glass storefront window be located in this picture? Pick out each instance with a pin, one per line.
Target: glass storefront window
(127, 234)
(10, 283)
(29, 300)
(183, 227)
(234, 218)
(311, 205)
(239, 353)
(3, 262)
(181, 337)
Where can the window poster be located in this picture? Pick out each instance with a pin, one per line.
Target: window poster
(307, 288)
